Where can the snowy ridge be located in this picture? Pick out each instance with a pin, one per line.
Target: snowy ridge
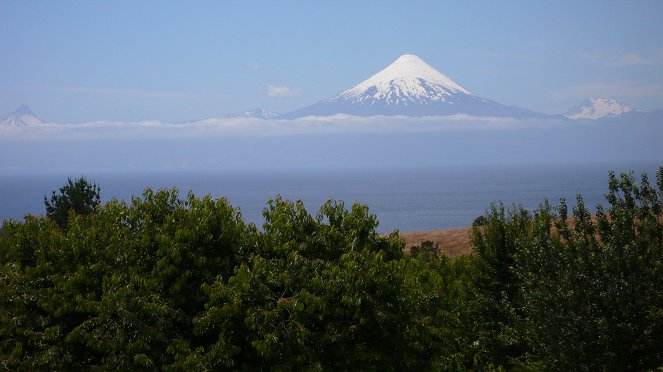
(596, 108)
(21, 117)
(407, 80)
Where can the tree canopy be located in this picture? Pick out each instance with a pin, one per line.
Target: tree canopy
(79, 196)
(182, 283)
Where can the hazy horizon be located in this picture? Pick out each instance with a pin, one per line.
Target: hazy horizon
(147, 87)
(326, 145)
(78, 62)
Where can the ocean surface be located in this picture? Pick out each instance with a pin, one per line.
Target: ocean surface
(403, 199)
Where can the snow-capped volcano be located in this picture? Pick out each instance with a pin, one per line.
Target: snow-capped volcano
(410, 87)
(596, 108)
(21, 117)
(406, 81)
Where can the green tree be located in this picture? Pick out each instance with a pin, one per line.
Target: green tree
(575, 294)
(165, 282)
(329, 292)
(119, 288)
(79, 196)
(495, 243)
(591, 297)
(427, 251)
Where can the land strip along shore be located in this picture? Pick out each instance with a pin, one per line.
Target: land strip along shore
(453, 242)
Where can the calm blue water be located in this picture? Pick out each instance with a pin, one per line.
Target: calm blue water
(408, 200)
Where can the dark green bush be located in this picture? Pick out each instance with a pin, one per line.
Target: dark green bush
(79, 197)
(119, 288)
(579, 296)
(186, 284)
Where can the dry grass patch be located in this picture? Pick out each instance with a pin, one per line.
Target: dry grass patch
(453, 242)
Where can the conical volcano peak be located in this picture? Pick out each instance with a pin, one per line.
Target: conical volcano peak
(23, 110)
(20, 117)
(411, 57)
(411, 66)
(408, 87)
(406, 81)
(409, 63)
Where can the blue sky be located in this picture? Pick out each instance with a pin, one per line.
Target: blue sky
(77, 61)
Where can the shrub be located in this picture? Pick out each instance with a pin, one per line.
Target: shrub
(79, 196)
(579, 296)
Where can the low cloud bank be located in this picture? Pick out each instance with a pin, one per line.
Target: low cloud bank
(322, 143)
(337, 124)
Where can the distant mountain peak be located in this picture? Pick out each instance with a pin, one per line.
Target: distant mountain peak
(257, 113)
(20, 117)
(408, 87)
(407, 80)
(23, 109)
(596, 108)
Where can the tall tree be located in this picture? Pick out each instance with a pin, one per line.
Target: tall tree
(80, 196)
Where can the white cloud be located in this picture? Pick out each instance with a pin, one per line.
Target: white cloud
(281, 91)
(250, 127)
(253, 66)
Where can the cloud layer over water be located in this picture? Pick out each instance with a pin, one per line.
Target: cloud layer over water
(336, 124)
(339, 141)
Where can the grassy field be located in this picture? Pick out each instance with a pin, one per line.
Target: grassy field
(453, 242)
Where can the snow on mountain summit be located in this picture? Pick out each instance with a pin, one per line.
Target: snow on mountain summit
(408, 87)
(408, 79)
(21, 117)
(596, 108)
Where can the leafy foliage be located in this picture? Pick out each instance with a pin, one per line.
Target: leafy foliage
(177, 283)
(581, 293)
(79, 196)
(120, 288)
(327, 292)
